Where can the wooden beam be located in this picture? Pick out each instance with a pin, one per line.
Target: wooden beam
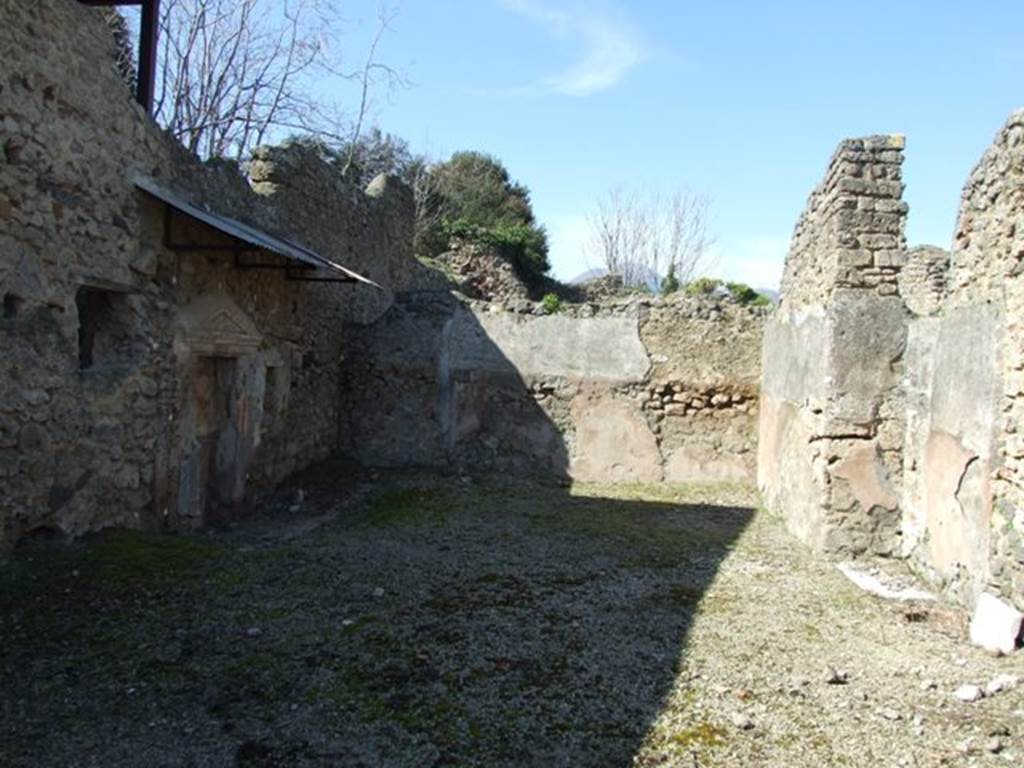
(148, 35)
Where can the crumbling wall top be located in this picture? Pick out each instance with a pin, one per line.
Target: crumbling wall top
(988, 247)
(923, 279)
(851, 234)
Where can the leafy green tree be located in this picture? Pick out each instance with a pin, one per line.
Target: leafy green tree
(474, 197)
(478, 188)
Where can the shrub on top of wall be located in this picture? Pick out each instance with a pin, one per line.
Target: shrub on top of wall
(473, 196)
(670, 283)
(525, 246)
(741, 293)
(551, 303)
(744, 294)
(703, 286)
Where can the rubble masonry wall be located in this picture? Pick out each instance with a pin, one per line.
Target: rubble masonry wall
(963, 501)
(893, 386)
(831, 423)
(640, 391)
(129, 436)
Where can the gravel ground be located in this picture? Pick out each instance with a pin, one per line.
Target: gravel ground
(425, 621)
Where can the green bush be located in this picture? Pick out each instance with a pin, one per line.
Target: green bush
(551, 303)
(703, 286)
(477, 187)
(476, 199)
(744, 294)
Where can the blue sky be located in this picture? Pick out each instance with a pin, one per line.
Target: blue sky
(743, 101)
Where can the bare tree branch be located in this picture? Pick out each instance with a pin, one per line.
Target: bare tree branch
(641, 237)
(366, 78)
(232, 73)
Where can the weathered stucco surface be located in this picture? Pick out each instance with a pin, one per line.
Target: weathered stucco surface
(613, 440)
(617, 392)
(793, 398)
(963, 504)
(593, 348)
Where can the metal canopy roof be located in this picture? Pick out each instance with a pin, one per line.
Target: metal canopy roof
(244, 233)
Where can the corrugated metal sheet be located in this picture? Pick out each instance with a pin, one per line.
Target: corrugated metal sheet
(245, 233)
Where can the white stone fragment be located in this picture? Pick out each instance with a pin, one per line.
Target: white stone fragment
(742, 721)
(1002, 683)
(996, 625)
(871, 584)
(969, 693)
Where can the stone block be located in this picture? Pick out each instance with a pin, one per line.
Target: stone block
(853, 257)
(880, 242)
(996, 625)
(892, 141)
(892, 206)
(891, 258)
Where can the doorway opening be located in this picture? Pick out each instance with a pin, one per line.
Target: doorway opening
(220, 476)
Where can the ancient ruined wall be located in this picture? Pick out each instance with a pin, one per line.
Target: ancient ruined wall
(923, 280)
(703, 388)
(996, 190)
(633, 391)
(136, 379)
(831, 423)
(964, 481)
(482, 273)
(892, 392)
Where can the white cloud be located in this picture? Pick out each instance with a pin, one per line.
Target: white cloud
(608, 46)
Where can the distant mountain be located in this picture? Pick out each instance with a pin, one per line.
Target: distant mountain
(590, 274)
(769, 293)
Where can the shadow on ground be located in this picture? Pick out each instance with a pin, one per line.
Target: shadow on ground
(417, 622)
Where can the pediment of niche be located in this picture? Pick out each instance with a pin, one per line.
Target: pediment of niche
(213, 325)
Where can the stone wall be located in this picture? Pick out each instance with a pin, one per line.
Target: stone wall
(140, 382)
(893, 390)
(963, 501)
(831, 424)
(922, 281)
(638, 390)
(482, 273)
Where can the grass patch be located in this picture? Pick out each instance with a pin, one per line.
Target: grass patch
(149, 560)
(703, 735)
(410, 506)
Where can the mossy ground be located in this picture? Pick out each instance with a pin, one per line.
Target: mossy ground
(423, 621)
